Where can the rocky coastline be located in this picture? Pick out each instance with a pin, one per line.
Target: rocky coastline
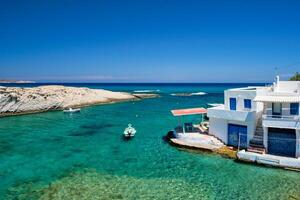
(18, 101)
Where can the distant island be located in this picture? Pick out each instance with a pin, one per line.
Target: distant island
(15, 81)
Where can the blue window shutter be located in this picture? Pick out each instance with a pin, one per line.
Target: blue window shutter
(247, 103)
(232, 102)
(294, 108)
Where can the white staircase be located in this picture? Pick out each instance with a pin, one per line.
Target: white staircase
(256, 144)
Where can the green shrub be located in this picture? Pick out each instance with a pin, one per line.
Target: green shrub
(296, 77)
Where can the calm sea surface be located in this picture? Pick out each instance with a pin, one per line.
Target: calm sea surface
(59, 149)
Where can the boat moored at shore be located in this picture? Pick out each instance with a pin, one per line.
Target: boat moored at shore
(71, 110)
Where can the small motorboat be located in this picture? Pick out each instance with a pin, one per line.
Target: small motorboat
(129, 132)
(71, 110)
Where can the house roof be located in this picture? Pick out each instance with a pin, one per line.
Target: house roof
(277, 99)
(189, 111)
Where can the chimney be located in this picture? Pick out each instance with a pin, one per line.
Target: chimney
(277, 79)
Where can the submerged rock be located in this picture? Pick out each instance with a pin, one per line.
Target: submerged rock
(25, 191)
(94, 185)
(5, 146)
(15, 100)
(227, 152)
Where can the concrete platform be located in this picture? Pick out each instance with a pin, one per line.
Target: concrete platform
(267, 159)
(197, 141)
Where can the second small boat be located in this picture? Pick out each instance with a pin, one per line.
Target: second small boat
(71, 110)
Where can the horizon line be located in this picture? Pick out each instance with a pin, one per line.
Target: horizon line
(75, 82)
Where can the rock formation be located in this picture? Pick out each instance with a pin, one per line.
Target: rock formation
(15, 100)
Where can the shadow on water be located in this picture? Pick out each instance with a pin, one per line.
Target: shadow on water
(96, 126)
(76, 150)
(90, 130)
(116, 150)
(83, 133)
(130, 160)
(5, 147)
(126, 139)
(53, 139)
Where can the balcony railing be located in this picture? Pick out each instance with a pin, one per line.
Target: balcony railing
(283, 110)
(281, 121)
(285, 114)
(282, 117)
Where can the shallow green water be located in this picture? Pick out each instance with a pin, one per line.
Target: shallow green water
(39, 149)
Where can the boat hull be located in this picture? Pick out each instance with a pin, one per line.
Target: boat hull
(72, 111)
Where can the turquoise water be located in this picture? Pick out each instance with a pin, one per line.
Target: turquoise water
(39, 149)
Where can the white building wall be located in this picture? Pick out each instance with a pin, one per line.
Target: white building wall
(286, 109)
(287, 87)
(240, 95)
(298, 143)
(219, 125)
(265, 136)
(218, 128)
(258, 114)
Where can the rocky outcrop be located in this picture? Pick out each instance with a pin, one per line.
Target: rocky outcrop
(15, 81)
(15, 100)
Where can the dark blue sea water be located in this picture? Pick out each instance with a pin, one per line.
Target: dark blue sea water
(48, 148)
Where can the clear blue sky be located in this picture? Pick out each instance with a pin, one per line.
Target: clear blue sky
(149, 41)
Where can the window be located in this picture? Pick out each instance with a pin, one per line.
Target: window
(276, 109)
(232, 103)
(247, 103)
(294, 108)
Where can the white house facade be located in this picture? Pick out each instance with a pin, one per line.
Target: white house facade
(235, 121)
(260, 118)
(280, 118)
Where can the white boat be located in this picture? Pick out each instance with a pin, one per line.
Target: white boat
(214, 104)
(129, 131)
(71, 110)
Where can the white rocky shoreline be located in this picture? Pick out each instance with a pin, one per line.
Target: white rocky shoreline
(18, 101)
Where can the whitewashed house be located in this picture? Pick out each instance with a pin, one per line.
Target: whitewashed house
(264, 119)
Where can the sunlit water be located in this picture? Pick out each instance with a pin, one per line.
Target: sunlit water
(39, 149)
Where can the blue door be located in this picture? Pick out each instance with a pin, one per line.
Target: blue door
(232, 103)
(282, 142)
(237, 135)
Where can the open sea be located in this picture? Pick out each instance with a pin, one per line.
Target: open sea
(83, 156)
